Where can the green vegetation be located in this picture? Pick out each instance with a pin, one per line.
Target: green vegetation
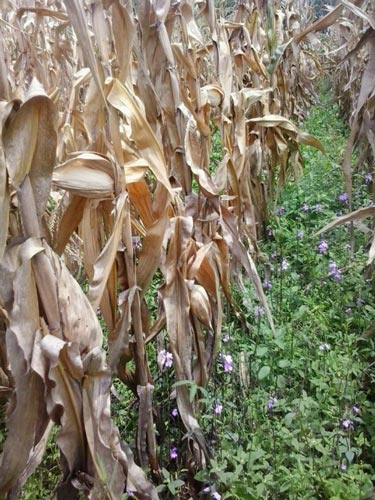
(289, 415)
(294, 416)
(297, 409)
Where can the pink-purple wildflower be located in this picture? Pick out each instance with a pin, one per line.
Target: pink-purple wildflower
(343, 197)
(227, 362)
(258, 310)
(165, 359)
(174, 412)
(137, 243)
(281, 211)
(347, 424)
(305, 207)
(218, 408)
(173, 453)
(267, 285)
(324, 347)
(322, 246)
(299, 235)
(284, 266)
(271, 403)
(318, 207)
(368, 178)
(334, 271)
(355, 409)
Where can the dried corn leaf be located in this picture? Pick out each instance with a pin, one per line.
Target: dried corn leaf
(141, 133)
(106, 259)
(88, 175)
(28, 408)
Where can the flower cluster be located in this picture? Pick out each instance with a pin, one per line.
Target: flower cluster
(227, 362)
(271, 403)
(218, 408)
(344, 198)
(267, 284)
(214, 494)
(258, 310)
(165, 359)
(299, 235)
(324, 347)
(322, 246)
(347, 424)
(334, 271)
(284, 265)
(355, 409)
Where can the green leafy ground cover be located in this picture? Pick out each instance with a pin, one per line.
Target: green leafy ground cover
(301, 423)
(289, 415)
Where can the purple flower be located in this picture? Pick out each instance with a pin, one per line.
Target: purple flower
(360, 302)
(343, 197)
(333, 267)
(173, 453)
(299, 235)
(267, 284)
(218, 408)
(348, 310)
(227, 361)
(355, 409)
(137, 243)
(368, 178)
(174, 412)
(165, 359)
(322, 246)
(258, 311)
(305, 207)
(334, 271)
(347, 424)
(318, 208)
(281, 211)
(215, 496)
(343, 467)
(324, 347)
(270, 403)
(284, 265)
(226, 338)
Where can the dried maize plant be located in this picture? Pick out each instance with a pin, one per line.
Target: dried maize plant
(352, 25)
(354, 35)
(107, 113)
(356, 69)
(260, 141)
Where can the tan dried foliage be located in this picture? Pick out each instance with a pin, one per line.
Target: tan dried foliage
(107, 112)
